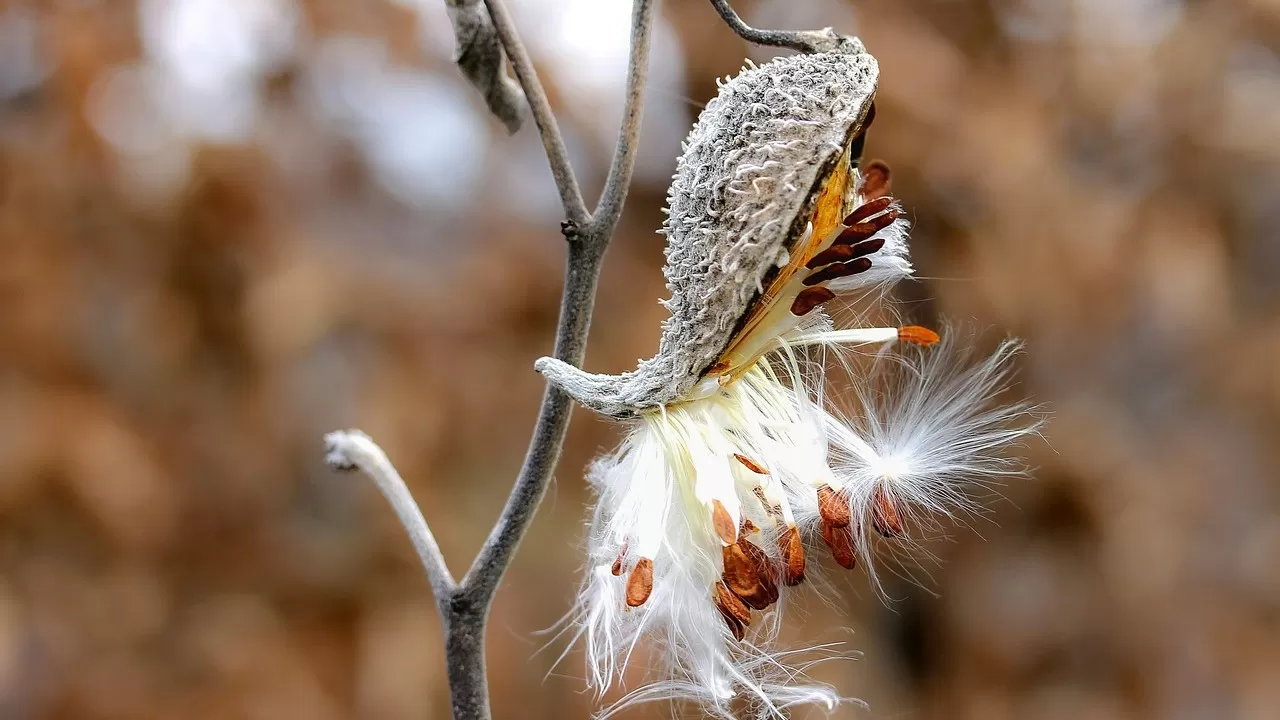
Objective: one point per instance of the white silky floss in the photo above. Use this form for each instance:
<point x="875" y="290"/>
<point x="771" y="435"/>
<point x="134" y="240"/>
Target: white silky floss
<point x="740" y="462"/>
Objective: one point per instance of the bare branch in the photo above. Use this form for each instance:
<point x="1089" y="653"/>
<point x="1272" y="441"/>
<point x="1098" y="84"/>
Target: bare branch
<point x="581" y="273"/>
<point x="479" y="56"/>
<point x="575" y="209"/>
<point x="351" y="450"/>
<point x="806" y="41"/>
<point x="464" y="607"/>
<point x="609" y="206"/>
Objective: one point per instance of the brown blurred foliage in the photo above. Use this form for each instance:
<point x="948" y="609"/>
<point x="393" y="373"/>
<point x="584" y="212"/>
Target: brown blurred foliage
<point x="1100" y="178"/>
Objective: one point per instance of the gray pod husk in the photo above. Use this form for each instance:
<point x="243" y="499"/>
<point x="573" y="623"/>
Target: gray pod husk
<point x="743" y="193"/>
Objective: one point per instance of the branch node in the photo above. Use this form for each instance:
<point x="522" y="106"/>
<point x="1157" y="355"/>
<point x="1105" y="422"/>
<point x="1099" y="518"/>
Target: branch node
<point x="571" y="230"/>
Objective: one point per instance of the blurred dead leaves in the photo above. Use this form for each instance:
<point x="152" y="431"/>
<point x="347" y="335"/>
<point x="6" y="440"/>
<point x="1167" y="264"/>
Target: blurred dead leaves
<point x="1099" y="178"/>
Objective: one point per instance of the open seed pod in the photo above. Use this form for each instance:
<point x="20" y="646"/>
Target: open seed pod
<point x="776" y="142"/>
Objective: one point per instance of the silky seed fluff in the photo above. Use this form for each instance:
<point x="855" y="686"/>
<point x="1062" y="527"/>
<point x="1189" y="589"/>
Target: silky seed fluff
<point x="742" y="194"/>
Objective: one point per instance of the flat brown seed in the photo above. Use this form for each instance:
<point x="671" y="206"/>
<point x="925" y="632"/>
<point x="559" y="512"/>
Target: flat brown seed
<point x="864" y="230"/>
<point x="867" y="209"/>
<point x="741" y="577"/>
<point x="843" y="253"/>
<point x="792" y="550"/>
<point x="840" y="541"/>
<point x="617" y="564"/>
<point x="839" y="270"/>
<point x="750" y="464"/>
<point x="732" y="605"/>
<point x="640" y="583"/>
<point x="764" y="569"/>
<point x="810" y="298"/>
<point x="834" y="507"/>
<point x="723" y="522"/>
<point x="876" y="180"/>
<point x="885" y="517"/>
<point x="735" y="625"/>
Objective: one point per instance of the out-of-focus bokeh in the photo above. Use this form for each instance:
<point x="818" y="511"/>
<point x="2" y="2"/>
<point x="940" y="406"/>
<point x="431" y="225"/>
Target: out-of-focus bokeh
<point x="229" y="226"/>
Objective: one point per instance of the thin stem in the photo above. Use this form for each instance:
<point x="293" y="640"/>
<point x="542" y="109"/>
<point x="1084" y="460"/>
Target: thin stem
<point x="805" y="41"/>
<point x="575" y="209"/>
<point x="609" y="206"/>
<point x="464" y="607"/>
<point x="351" y="450"/>
<point x="582" y="269"/>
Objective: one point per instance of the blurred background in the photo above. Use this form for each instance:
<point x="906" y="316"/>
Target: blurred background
<point x="229" y="226"/>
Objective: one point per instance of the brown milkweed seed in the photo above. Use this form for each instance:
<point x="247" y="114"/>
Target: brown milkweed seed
<point x="808" y="299"/>
<point x="842" y="253"/>
<point x="741" y="577"/>
<point x="750" y="464"/>
<point x="860" y="231"/>
<point x="792" y="551"/>
<point x="867" y="209"/>
<point x="885" y="517"/>
<point x="840" y="541"/>
<point x="617" y="564"/>
<point x="838" y="270"/>
<point x="834" y="507"/>
<point x="723" y="522"/>
<point x="640" y="583"/>
<point x="736" y="615"/>
<point x="876" y="179"/>
<point x="764" y="570"/>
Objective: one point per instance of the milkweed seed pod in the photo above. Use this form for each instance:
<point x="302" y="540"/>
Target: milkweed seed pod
<point x="743" y="194"/>
<point x="738" y="461"/>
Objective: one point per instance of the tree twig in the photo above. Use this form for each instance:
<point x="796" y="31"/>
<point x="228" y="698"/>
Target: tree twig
<point x="614" y="193"/>
<point x="806" y="41"/>
<point x="351" y="450"/>
<point x="464" y="607"/>
<point x="581" y="272"/>
<point x="575" y="209"/>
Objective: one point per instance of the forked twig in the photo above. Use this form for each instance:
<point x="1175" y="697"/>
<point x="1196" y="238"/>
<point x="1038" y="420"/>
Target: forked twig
<point x="464" y="606"/>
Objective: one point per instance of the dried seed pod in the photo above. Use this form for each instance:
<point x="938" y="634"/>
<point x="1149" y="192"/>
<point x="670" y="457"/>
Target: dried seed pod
<point x="743" y="194"/>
